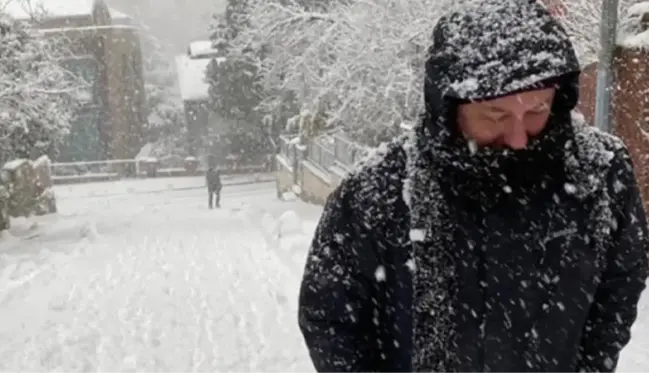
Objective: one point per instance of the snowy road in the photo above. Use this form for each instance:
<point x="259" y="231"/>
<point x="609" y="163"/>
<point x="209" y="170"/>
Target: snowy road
<point x="140" y="276"/>
<point x="143" y="281"/>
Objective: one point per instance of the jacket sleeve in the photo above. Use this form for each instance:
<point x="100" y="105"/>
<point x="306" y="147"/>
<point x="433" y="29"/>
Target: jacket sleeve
<point x="335" y="295"/>
<point x="614" y="308"/>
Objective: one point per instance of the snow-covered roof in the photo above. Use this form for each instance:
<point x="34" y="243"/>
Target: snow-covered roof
<point x="22" y="9"/>
<point x="191" y="77"/>
<point x="201" y="49"/>
<point x="119" y="18"/>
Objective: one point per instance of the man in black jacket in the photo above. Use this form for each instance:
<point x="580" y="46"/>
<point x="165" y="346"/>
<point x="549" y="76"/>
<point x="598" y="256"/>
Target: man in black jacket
<point x="502" y="234"/>
<point x="213" y="180"/>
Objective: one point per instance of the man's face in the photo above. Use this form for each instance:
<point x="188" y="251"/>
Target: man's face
<point x="506" y="122"/>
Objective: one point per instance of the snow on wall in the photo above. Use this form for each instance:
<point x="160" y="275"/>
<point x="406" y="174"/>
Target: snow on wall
<point x="119" y="18"/>
<point x="22" y="9"/>
<point x="14" y="164"/>
<point x="191" y="77"/>
<point x="202" y="48"/>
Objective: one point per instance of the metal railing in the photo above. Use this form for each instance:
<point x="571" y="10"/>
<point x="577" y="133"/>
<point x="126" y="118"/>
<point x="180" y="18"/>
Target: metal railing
<point x="121" y="167"/>
<point x="347" y="152"/>
<point x="321" y="152"/>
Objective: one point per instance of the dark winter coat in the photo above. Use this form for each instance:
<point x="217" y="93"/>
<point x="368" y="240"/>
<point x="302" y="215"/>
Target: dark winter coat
<point x="431" y="258"/>
<point x="213" y="178"/>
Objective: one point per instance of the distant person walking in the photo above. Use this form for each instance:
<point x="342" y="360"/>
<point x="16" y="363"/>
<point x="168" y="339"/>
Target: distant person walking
<point x="214" y="185"/>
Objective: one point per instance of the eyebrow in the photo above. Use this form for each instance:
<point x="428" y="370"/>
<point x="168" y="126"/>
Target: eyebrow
<point x="497" y="110"/>
<point x="545" y="103"/>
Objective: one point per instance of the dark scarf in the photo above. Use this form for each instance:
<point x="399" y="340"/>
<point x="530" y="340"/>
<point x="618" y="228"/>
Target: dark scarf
<point x="443" y="172"/>
<point x="573" y="158"/>
<point x="488" y="175"/>
<point x="491" y="48"/>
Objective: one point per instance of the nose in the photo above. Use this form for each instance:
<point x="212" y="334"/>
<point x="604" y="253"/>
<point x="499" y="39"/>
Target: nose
<point x="516" y="135"/>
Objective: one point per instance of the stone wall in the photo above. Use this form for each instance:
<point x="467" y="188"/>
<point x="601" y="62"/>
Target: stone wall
<point x="316" y="184"/>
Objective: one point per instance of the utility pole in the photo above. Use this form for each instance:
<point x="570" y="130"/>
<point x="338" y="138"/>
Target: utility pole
<point x="605" y="79"/>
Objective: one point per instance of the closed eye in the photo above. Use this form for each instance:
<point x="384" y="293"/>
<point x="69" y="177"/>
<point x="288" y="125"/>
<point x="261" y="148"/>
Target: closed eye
<point x="540" y="109"/>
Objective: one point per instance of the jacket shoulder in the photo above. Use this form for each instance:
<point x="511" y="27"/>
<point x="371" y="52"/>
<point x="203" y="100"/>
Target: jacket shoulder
<point x="374" y="188"/>
<point x="601" y="157"/>
<point x="378" y="177"/>
<point x="589" y="136"/>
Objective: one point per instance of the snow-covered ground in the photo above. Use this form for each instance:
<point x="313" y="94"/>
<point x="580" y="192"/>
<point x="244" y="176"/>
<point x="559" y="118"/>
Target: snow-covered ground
<point x="141" y="276"/>
<point x="138" y="281"/>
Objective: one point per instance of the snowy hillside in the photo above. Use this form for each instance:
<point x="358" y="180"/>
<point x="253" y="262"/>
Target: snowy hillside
<point x="126" y="280"/>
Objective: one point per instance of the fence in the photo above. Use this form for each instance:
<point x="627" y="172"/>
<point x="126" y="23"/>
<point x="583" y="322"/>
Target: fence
<point x="321" y="152"/>
<point x="116" y="167"/>
<point x="328" y="150"/>
<point x="333" y="155"/>
<point x="288" y="148"/>
<point x="347" y="152"/>
<point x="107" y="170"/>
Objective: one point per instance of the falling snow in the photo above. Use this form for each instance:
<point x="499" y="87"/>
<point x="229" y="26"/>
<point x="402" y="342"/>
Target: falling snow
<point x="428" y="229"/>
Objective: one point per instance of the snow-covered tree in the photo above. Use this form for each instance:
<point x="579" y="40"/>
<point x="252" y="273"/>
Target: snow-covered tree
<point x="359" y="63"/>
<point x="234" y="86"/>
<point x="38" y="97"/>
<point x="356" y="64"/>
<point x="165" y="111"/>
<point x="235" y="90"/>
<point x="234" y="79"/>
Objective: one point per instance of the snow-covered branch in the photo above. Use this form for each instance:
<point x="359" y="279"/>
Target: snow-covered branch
<point x="38" y="95"/>
<point x="357" y="64"/>
<point x="360" y="63"/>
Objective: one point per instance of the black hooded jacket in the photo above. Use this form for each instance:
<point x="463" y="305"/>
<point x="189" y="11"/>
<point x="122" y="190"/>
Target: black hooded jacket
<point x="432" y="258"/>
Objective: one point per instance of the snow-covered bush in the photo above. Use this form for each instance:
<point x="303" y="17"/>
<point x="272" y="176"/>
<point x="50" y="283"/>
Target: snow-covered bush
<point x="37" y="95"/>
<point x="289" y="223"/>
<point x="291" y="237"/>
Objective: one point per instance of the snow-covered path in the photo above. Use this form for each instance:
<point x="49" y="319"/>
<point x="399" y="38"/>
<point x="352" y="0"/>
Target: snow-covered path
<point x="150" y="281"/>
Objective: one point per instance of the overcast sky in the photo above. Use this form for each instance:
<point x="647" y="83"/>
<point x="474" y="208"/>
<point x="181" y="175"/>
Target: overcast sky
<point x="174" y="22"/>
